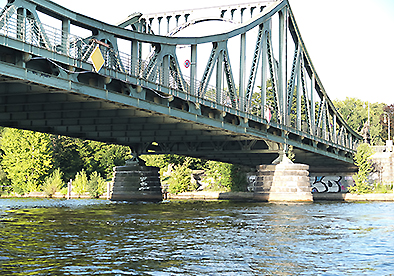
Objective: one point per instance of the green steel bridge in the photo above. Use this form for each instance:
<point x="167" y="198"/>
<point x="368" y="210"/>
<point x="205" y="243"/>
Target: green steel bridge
<point x="242" y="95"/>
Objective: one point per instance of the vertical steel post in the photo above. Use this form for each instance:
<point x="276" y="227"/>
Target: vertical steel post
<point x="298" y="99"/>
<point x="334" y="130"/>
<point x="166" y="70"/>
<point x="134" y="57"/>
<point x="219" y="77"/>
<point x="21" y="24"/>
<point x="168" y="23"/>
<point x="282" y="78"/>
<point x="193" y="70"/>
<point x="264" y="64"/>
<point x="65" y="35"/>
<point x="242" y="70"/>
<point x="159" y="20"/>
<point x="313" y="127"/>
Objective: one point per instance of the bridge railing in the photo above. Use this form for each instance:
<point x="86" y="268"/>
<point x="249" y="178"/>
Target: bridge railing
<point x="29" y="31"/>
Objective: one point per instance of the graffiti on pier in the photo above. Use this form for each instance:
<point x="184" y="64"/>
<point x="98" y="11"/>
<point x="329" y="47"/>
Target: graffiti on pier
<point x="251" y="182"/>
<point x="323" y="185"/>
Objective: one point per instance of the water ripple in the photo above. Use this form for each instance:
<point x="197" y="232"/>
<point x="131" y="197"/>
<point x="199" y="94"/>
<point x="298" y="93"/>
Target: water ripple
<point x="86" y="237"/>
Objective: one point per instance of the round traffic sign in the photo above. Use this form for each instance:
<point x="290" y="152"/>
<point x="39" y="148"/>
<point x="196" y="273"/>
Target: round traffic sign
<point x="187" y="63"/>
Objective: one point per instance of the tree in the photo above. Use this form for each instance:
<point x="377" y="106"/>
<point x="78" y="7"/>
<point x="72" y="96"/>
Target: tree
<point x="101" y="157"/>
<point x="225" y="176"/>
<point x="163" y="160"/>
<point x="355" y="113"/>
<point x="53" y="183"/>
<point x="72" y="155"/>
<point x="361" y="160"/>
<point x="180" y="179"/>
<point x="27" y="158"/>
<point x="66" y="156"/>
<point x="80" y="184"/>
<point x="96" y="185"/>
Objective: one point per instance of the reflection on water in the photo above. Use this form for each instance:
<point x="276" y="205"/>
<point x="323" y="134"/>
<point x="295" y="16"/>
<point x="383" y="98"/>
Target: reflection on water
<point x="87" y="237"/>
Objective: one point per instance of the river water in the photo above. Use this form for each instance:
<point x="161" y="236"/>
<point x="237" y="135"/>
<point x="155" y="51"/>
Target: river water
<point x="97" y="237"/>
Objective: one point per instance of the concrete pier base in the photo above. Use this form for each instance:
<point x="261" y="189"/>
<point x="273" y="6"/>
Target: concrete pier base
<point x="283" y="182"/>
<point x="136" y="182"/>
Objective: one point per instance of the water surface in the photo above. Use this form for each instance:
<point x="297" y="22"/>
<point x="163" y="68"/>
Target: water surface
<point x="97" y="237"/>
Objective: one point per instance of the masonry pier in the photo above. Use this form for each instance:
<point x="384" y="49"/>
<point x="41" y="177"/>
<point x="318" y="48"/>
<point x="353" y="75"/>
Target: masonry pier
<point x="136" y="182"/>
<point x="283" y="181"/>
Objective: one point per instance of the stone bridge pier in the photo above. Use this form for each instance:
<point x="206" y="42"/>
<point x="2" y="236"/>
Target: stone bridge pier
<point x="285" y="181"/>
<point x="136" y="182"/>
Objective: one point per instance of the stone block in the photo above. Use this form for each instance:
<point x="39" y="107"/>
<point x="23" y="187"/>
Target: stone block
<point x="134" y="182"/>
<point x="283" y="182"/>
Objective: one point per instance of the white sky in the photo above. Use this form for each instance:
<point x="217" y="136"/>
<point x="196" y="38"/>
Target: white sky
<point x="350" y="42"/>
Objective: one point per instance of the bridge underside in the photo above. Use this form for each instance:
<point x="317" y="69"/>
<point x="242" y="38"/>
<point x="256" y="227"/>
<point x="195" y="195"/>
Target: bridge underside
<point x="144" y="119"/>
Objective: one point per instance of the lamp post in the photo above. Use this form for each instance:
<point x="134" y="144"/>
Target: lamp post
<point x="387" y="118"/>
<point x="389" y="143"/>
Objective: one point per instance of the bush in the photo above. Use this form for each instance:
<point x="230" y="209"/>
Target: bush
<point x="180" y="179"/>
<point x="96" y="185"/>
<point x="382" y="188"/>
<point x="5" y="184"/>
<point x="225" y="177"/>
<point x="79" y="185"/>
<point x="361" y="160"/>
<point x="53" y="183"/>
<point x="219" y="174"/>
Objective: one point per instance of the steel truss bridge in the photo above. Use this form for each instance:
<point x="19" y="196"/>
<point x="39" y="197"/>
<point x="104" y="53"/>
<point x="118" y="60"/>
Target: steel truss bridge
<point x="248" y="91"/>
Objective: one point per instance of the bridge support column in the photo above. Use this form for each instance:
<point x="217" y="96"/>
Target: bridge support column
<point x="136" y="182"/>
<point x="283" y="181"/>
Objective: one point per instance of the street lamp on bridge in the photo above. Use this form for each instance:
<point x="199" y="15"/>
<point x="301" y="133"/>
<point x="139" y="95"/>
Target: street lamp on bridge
<point x="386" y="119"/>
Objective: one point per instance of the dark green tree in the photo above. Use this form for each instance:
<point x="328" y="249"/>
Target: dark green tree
<point x="355" y="113"/>
<point x="163" y="160"/>
<point x="66" y="156"/>
<point x="72" y="155"/>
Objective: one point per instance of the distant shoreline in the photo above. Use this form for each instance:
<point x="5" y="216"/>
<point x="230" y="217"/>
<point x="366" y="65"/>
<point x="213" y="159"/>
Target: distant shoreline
<point x="239" y="196"/>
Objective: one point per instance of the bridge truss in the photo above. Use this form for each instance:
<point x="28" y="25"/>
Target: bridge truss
<point x="247" y="92"/>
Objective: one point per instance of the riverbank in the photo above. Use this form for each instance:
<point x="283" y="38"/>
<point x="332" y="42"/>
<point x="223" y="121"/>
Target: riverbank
<point x="56" y="195"/>
<point x="206" y="195"/>
<point x="238" y="196"/>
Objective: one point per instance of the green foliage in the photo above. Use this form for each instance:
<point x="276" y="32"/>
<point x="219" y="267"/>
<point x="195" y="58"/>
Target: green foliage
<point x="355" y="113"/>
<point x="180" y="179"/>
<point x="66" y="156"/>
<point x="53" y="183"/>
<point x="382" y="188"/>
<point x="361" y="160"/>
<point x="101" y="157"/>
<point x="219" y="174"/>
<point x="26" y="159"/>
<point x="72" y="155"/>
<point x="4" y="181"/>
<point x="80" y="184"/>
<point x="225" y="177"/>
<point x="163" y="160"/>
<point x="238" y="179"/>
<point x="96" y="185"/>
